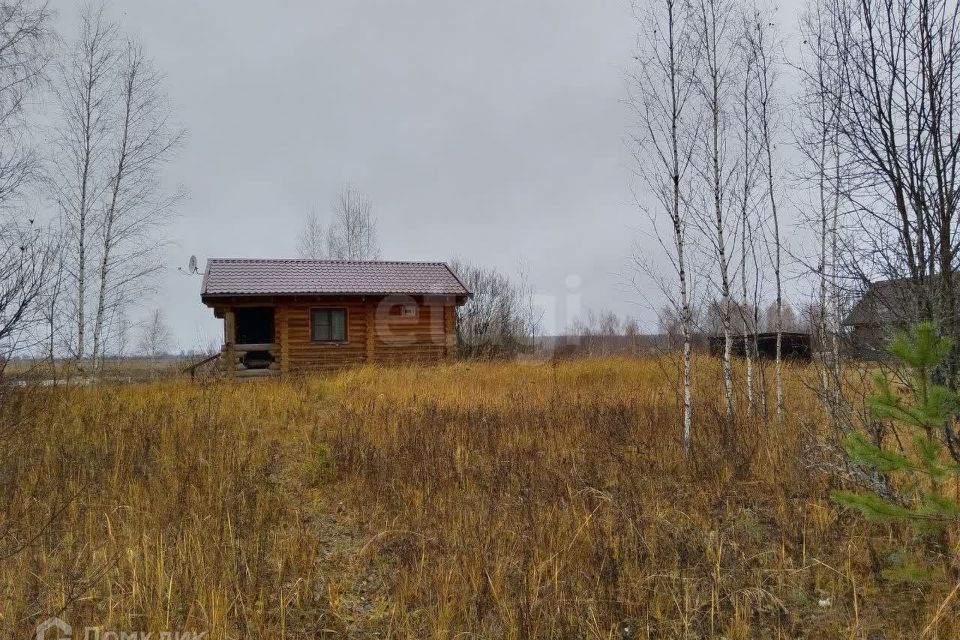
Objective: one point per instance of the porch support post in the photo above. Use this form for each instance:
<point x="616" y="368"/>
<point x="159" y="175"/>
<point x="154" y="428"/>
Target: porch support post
<point x="371" y="329"/>
<point x="229" y="340"/>
<point x="281" y="317"/>
<point x="450" y="330"/>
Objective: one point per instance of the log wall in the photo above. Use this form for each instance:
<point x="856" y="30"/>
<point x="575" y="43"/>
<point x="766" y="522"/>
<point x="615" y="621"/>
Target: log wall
<point x="378" y="332"/>
<point x="399" y="339"/>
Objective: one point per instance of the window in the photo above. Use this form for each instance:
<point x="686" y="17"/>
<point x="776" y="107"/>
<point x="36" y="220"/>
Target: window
<point x="328" y="325"/>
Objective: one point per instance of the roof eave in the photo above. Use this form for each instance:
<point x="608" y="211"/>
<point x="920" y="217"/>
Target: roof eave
<point x="208" y="298"/>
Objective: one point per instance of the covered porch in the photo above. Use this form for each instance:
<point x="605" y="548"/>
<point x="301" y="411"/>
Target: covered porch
<point x="251" y="341"/>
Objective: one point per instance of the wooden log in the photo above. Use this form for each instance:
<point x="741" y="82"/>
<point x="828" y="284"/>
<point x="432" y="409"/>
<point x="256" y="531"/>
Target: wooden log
<point x="267" y="346"/>
<point x="257" y="373"/>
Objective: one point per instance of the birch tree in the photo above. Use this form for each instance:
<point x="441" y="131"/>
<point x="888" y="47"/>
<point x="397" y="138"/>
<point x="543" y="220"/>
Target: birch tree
<point x="749" y="163"/>
<point x="749" y="290"/>
<point x="26" y="260"/>
<point x="660" y="96"/>
<point x="135" y="207"/>
<point x="501" y="318"/>
<point x="312" y="240"/>
<point x="25" y="39"/>
<point x="761" y="39"/>
<point x="715" y="31"/>
<point x="155" y="335"/>
<point x="51" y="299"/>
<point x="352" y="234"/>
<point x="898" y="97"/>
<point x="84" y="95"/>
<point x="819" y="144"/>
<point x="27" y="250"/>
<point x="886" y="71"/>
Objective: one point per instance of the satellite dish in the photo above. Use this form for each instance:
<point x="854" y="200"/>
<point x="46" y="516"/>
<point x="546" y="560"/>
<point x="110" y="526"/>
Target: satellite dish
<point x="191" y="269"/>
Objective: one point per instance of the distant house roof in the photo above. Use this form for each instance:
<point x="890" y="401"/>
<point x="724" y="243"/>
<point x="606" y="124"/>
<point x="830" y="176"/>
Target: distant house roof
<point x="887" y="303"/>
<point x="244" y="277"/>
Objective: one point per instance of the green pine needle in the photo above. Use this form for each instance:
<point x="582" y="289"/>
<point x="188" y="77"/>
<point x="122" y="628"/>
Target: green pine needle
<point x="882" y="460"/>
<point x="872" y="506"/>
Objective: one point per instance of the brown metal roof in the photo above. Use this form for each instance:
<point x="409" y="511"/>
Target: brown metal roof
<point x="888" y="303"/>
<point x="245" y="277"/>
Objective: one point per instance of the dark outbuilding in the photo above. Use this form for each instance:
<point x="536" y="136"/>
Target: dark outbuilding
<point x="793" y="345"/>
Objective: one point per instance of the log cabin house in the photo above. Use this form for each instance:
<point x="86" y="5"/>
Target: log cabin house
<point x="285" y="316"/>
<point x="885" y="308"/>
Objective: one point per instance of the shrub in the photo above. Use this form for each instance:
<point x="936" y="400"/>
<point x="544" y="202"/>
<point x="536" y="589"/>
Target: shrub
<point x="921" y="472"/>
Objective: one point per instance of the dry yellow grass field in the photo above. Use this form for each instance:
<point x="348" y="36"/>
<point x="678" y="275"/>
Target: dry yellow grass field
<point x="469" y="500"/>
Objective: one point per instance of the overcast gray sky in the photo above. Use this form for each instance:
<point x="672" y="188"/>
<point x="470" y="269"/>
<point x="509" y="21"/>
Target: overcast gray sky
<point x="491" y="130"/>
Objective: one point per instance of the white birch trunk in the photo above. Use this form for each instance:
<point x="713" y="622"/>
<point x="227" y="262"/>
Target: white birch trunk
<point x="679" y="239"/>
<point x="765" y="86"/>
<point x="747" y="346"/>
<point x="745" y="228"/>
<point x="111" y="214"/>
<point x="663" y="85"/>
<point x="712" y="52"/>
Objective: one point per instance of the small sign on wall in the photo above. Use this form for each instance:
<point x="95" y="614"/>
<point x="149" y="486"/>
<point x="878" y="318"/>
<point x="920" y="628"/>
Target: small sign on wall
<point x="408" y="311"/>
